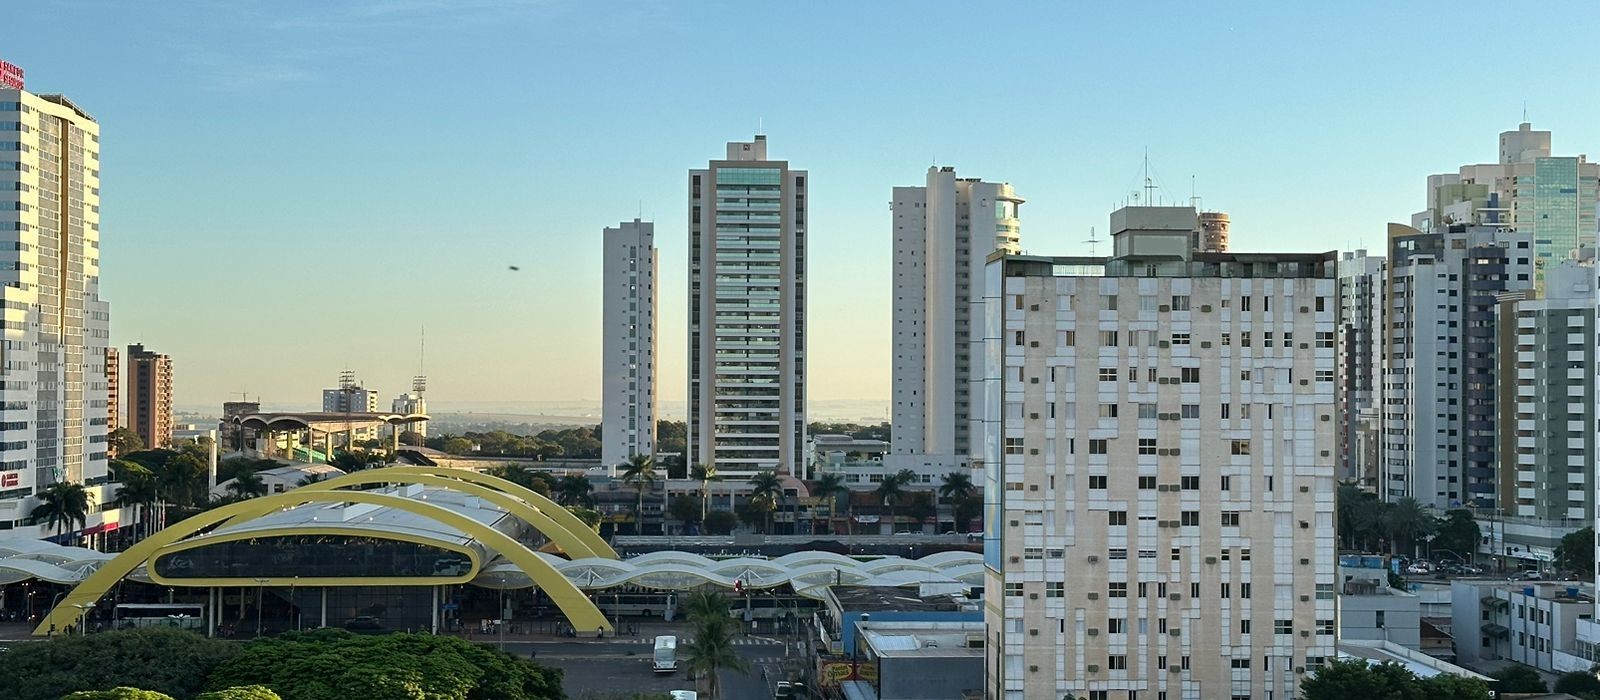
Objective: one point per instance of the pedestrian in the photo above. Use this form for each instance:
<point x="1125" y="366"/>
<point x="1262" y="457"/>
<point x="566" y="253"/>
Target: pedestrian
<point x="599" y="633"/>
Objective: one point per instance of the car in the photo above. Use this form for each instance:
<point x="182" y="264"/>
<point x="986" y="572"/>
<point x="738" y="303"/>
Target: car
<point x="683" y="695"/>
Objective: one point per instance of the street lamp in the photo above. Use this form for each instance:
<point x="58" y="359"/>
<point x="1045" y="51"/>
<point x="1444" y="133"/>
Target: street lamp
<point x="260" y="585"/>
<point x="83" y="616"/>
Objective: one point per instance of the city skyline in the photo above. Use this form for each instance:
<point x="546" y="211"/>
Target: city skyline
<point x="421" y="203"/>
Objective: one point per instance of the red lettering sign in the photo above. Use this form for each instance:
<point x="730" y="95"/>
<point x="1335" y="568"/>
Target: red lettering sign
<point x="10" y="76"/>
<point x="9" y="479"/>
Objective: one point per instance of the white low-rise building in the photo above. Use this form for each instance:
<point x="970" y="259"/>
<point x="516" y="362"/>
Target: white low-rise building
<point x="1532" y="623"/>
<point x="1370" y="609"/>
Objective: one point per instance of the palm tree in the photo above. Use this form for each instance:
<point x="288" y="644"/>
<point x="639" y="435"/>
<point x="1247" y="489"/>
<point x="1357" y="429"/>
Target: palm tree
<point x="640" y="472"/>
<point x="138" y="491"/>
<point x="956" y="488"/>
<point x="705" y="474"/>
<point x="574" y="490"/>
<point x="712" y="649"/>
<point x="1346" y="502"/>
<point x="1367" y="517"/>
<point x="889" y="492"/>
<point x="1405" y="521"/>
<point x="248" y="486"/>
<point x="766" y="487"/>
<point x="61" y="505"/>
<point x="831" y="485"/>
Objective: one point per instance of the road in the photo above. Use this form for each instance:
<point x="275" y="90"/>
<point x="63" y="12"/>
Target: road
<point x="625" y="666"/>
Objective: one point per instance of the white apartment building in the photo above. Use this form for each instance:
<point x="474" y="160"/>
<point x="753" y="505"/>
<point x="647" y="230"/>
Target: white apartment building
<point x="1160" y="475"/>
<point x="943" y="232"/>
<point x="1551" y="198"/>
<point x="1360" y="333"/>
<point x="1439" y="347"/>
<point x="53" y="324"/>
<point x="628" y="346"/>
<point x="747" y="313"/>
<point x="411" y="403"/>
<point x="352" y="397"/>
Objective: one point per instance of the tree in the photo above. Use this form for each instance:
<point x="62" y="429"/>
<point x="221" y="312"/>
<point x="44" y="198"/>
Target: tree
<point x="831" y="486"/>
<point x="455" y="445"/>
<point x="753" y="511"/>
<point x="123" y="693"/>
<point x="244" y="692"/>
<point x="705" y="474"/>
<point x="1445" y="686"/>
<point x="1583" y="685"/>
<point x="61" y="505"/>
<point x="248" y="486"/>
<point x="957" y="488"/>
<point x="712" y="649"/>
<point x="921" y="509"/>
<point x="1343" y="679"/>
<point x="1368" y="515"/>
<point x="123" y="441"/>
<point x="1457" y="533"/>
<point x="640" y="472"/>
<point x="672" y="436"/>
<point x="137" y="490"/>
<point x="333" y="664"/>
<point x="890" y="493"/>
<point x="683" y="509"/>
<point x="353" y="461"/>
<point x="411" y="438"/>
<point x="718" y="522"/>
<point x="967" y="509"/>
<point x="1345" y="504"/>
<point x="589" y="516"/>
<point x="171" y="661"/>
<point x="766" y="488"/>
<point x="574" y="490"/>
<point x="1405" y="521"/>
<point x="1518" y="678"/>
<point x="1576" y="552"/>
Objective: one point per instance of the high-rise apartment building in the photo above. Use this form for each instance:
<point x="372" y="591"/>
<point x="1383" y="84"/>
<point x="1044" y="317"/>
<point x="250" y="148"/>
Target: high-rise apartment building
<point x="1160" y="475"/>
<point x="943" y="232"/>
<point x="1551" y="198"/>
<point x="150" y="396"/>
<point x="1211" y="232"/>
<point x="53" y="324"/>
<point x="1439" y="348"/>
<point x="628" y="352"/>
<point x="747" y="313"/>
<point x="352" y="397"/>
<point x="411" y="403"/>
<point x="1360" y="357"/>
<point x="1546" y="394"/>
<point x="113" y="390"/>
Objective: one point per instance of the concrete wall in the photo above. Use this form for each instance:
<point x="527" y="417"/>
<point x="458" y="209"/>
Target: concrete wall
<point x="932" y="678"/>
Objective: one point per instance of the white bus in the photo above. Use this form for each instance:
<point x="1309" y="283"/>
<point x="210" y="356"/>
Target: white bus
<point x="181" y="615"/>
<point x="666" y="660"/>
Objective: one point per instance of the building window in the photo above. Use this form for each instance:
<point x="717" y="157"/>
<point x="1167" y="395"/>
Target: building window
<point x="1013" y="589"/>
<point x="1287" y="626"/>
<point x="1147" y="483"/>
<point x="1241" y="663"/>
<point x="1097" y="447"/>
<point x="1117" y="662"/>
<point x="1055" y="589"/>
<point x="1190" y="518"/>
<point x="1108" y="339"/>
<point x="1108" y="374"/>
<point x="1244" y="625"/>
<point x="1117" y="625"/>
<point x="1241" y="447"/>
<point x="1097" y="482"/>
<point x="1147" y="446"/>
<point x="1230" y="518"/>
<point x="1117" y="589"/>
<point x="1191" y="375"/>
<point x="1013" y="446"/>
<point x="1227" y="483"/>
<point x="1244" y="588"/>
<point x="1190" y="483"/>
<point x="1191" y="410"/>
<point x="1147" y="410"/>
<point x="1180" y="338"/>
<point x="1108" y="410"/>
<point x="1117" y="517"/>
<point x="1325" y="627"/>
<point x="1180" y="302"/>
<point x="1108" y="302"/>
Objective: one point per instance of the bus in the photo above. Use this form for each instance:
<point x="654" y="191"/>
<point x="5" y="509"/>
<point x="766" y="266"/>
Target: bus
<point x="180" y="615"/>
<point x="666" y="654"/>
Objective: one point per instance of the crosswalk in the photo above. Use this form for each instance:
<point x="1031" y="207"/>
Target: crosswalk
<point x="737" y="641"/>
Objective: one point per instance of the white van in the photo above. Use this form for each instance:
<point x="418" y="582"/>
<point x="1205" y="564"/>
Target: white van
<point x="666" y="660"/>
<point x="683" y="695"/>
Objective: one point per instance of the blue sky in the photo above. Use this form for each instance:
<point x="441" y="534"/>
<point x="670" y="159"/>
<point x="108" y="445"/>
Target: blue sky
<point x="293" y="187"/>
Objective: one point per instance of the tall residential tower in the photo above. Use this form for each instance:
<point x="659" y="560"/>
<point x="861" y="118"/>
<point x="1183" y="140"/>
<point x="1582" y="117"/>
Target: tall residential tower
<point x="150" y="396"/>
<point x="1160" y="477"/>
<point x="55" y="326"/>
<point x="747" y="313"/>
<point x="943" y="232"/>
<point x="628" y="353"/>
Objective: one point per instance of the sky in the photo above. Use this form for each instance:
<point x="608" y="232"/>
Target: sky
<point x="291" y="188"/>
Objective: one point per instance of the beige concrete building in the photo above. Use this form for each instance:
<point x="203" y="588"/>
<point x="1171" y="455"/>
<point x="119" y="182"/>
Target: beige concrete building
<point x="150" y="396"/>
<point x="113" y="389"/>
<point x="1159" y="470"/>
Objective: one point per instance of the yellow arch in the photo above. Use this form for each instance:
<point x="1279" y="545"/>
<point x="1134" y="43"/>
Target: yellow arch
<point x="556" y="511"/>
<point x="579" y="610"/>
<point x="572" y="543"/>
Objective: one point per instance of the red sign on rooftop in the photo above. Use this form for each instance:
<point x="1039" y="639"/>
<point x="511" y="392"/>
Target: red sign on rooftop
<point x="10" y="76"/>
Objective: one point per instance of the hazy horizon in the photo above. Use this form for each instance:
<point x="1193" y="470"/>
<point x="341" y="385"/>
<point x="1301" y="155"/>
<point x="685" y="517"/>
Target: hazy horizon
<point x="294" y="188"/>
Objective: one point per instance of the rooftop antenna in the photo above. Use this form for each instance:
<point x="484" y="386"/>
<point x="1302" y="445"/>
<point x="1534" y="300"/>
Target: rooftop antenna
<point x="1524" y="110"/>
<point x="1092" y="241"/>
<point x="1149" y="185"/>
<point x="761" y="126"/>
<point x="1194" y="199"/>
<point x="419" y="383"/>
<point x="347" y="378"/>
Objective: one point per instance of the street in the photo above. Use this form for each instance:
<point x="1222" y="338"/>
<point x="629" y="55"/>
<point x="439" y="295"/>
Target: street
<point x="625" y="666"/>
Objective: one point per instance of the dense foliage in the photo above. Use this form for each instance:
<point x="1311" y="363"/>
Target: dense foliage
<point x="1576" y="552"/>
<point x="173" y="662"/>
<point x="248" y="692"/>
<point x="712" y="650"/>
<point x="1583" y="685"/>
<point x="1369" y="524"/>
<point x="1344" y="679"/>
<point x="570" y="443"/>
<point x="338" y="665"/>
<point x="859" y="432"/>
<point x="117" y="694"/>
<point x="1518" y="678"/>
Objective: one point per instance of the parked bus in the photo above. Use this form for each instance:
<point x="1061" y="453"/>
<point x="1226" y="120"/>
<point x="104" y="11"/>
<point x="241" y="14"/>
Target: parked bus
<point x="181" y="615"/>
<point x="666" y="654"/>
